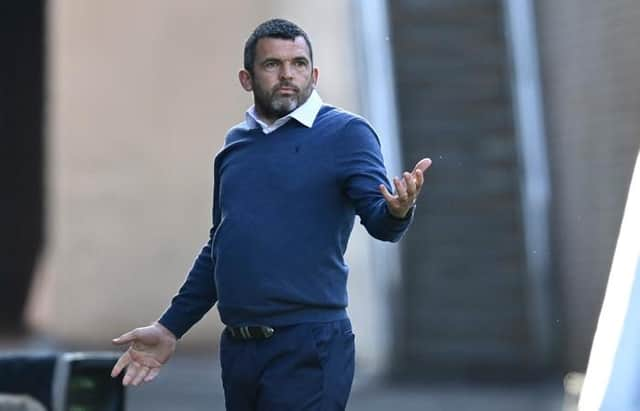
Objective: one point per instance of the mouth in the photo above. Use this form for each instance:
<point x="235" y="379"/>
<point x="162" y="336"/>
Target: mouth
<point x="287" y="90"/>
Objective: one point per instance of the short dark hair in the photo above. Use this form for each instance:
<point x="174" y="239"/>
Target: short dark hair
<point x="274" y="28"/>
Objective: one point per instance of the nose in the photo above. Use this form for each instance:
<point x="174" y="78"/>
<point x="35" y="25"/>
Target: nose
<point x="286" y="72"/>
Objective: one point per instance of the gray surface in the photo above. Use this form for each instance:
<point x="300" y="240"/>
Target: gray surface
<point x="192" y="382"/>
<point x="590" y="62"/>
<point x="465" y="281"/>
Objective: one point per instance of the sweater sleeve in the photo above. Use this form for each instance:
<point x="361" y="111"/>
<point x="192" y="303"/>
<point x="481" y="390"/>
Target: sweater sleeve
<point x="196" y="296"/>
<point x="361" y="171"/>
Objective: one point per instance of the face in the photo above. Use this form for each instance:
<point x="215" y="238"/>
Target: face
<point x="283" y="77"/>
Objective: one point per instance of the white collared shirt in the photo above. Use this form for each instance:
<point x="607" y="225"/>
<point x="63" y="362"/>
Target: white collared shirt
<point x="306" y="114"/>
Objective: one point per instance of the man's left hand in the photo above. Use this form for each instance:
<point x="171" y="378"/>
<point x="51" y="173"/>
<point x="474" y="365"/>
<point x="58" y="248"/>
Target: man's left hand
<point x="407" y="189"/>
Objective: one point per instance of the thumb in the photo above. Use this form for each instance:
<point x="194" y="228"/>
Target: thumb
<point x="125" y="338"/>
<point x="422" y="165"/>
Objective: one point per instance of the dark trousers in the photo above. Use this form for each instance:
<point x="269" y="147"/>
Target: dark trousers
<point x="301" y="367"/>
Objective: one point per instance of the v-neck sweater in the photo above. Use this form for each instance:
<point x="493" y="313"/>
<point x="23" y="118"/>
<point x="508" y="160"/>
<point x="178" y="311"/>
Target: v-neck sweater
<point x="284" y="205"/>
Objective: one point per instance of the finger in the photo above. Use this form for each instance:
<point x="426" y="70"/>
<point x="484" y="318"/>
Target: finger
<point x="390" y="198"/>
<point x="419" y="179"/>
<point x="132" y="372"/>
<point x="122" y="362"/>
<point x="422" y="165"/>
<point x="142" y="374"/>
<point x="410" y="182"/>
<point x="126" y="337"/>
<point x="401" y="190"/>
<point x="153" y="373"/>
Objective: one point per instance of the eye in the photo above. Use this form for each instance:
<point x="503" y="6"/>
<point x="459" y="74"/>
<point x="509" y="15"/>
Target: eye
<point x="270" y="65"/>
<point x="300" y="63"/>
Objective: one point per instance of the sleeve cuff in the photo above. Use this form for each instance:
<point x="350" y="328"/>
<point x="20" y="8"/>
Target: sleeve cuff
<point x="168" y="321"/>
<point x="407" y="217"/>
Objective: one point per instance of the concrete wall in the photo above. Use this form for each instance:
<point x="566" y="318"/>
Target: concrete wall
<point x="141" y="94"/>
<point x="590" y="63"/>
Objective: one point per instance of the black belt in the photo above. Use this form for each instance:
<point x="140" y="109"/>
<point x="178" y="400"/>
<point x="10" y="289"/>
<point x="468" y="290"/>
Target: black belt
<point x="250" y="332"/>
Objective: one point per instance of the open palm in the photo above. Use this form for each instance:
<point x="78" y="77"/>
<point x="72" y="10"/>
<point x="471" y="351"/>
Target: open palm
<point x="407" y="189"/>
<point x="149" y="349"/>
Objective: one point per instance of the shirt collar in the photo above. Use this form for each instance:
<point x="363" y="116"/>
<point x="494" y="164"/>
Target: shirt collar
<point x="305" y="114"/>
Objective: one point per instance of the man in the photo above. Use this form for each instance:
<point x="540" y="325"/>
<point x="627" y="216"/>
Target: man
<point x="287" y="185"/>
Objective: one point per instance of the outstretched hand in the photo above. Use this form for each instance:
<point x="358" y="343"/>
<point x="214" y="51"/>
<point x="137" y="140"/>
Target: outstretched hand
<point x="407" y="189"/>
<point x="149" y="348"/>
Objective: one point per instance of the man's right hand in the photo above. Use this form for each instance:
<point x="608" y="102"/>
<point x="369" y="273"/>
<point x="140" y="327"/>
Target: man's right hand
<point x="149" y="348"/>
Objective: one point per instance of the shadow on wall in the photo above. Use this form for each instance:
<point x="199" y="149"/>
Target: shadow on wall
<point x="21" y="163"/>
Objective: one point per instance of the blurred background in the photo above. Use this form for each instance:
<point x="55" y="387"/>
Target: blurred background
<point x="111" y="113"/>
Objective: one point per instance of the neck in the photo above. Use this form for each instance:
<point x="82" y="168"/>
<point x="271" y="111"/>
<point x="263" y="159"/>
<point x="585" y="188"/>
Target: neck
<point x="264" y="117"/>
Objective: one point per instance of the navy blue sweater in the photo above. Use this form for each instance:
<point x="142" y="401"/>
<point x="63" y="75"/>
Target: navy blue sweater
<point x="283" y="210"/>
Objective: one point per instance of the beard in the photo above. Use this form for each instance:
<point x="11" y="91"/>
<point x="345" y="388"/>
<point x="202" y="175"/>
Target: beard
<point x="274" y="105"/>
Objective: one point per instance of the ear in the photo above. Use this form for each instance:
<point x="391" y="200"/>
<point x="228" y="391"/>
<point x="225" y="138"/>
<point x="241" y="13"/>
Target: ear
<point x="315" y="73"/>
<point x="245" y="80"/>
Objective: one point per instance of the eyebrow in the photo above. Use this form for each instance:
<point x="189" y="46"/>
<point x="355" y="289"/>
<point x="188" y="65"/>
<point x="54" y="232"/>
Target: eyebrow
<point x="276" y="59"/>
